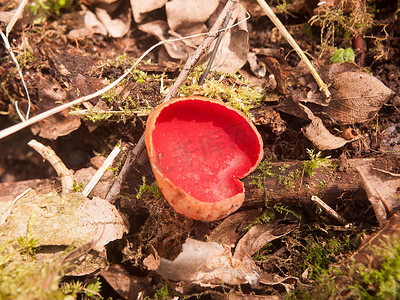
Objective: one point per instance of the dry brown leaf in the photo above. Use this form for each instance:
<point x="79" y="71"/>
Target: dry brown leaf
<point x="64" y="220"/>
<point x="209" y="264"/>
<point x="160" y="29"/>
<point x="140" y="8"/>
<point x="274" y="279"/>
<point x="231" y="229"/>
<point x="182" y="14"/>
<point x="50" y="93"/>
<point x="259" y="235"/>
<point x="356" y="97"/>
<point x="87" y="25"/>
<point x="232" y="52"/>
<point x="317" y="133"/>
<point x="125" y="284"/>
<point x="382" y="191"/>
<point x="116" y="26"/>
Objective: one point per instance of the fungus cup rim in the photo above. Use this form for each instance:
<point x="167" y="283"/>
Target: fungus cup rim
<point x="178" y="198"/>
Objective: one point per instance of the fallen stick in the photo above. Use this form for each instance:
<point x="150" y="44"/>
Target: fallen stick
<point x="328" y="209"/>
<point x="66" y="175"/>
<point x="173" y="91"/>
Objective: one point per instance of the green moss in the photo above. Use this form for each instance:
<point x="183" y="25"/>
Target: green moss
<point x="144" y="188"/>
<point x="315" y="162"/>
<point x="22" y="277"/>
<point x="347" y="19"/>
<point x="240" y="94"/>
<point x="381" y="283"/>
<point x="77" y="187"/>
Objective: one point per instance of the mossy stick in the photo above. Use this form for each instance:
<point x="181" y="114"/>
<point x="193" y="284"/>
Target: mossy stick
<point x="271" y="15"/>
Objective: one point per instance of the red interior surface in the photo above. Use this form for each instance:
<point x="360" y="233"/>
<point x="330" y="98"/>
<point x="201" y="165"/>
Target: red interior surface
<point x="202" y="147"/>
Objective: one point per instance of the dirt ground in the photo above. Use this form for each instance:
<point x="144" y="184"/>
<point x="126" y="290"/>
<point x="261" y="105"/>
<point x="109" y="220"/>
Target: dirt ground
<point x="58" y="69"/>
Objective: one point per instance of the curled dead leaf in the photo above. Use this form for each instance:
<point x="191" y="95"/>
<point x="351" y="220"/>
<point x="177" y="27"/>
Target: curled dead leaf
<point x="209" y="264"/>
<point x="317" y="133"/>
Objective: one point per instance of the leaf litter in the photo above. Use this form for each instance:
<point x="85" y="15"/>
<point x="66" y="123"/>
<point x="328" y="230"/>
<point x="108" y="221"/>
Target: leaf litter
<point x="318" y="117"/>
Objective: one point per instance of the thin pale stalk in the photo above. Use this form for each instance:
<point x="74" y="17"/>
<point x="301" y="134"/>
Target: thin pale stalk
<point x="323" y="87"/>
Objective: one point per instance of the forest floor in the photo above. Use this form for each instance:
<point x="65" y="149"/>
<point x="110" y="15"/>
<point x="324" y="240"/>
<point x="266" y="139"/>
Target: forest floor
<point x="280" y="243"/>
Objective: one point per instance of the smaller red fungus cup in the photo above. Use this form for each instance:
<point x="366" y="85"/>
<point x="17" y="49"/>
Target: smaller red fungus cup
<point x="199" y="148"/>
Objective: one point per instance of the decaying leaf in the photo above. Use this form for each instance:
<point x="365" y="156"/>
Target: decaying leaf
<point x="125" y="284"/>
<point x="382" y="189"/>
<point x="259" y="235"/>
<point x="209" y="264"/>
<point x="232" y="53"/>
<point x="183" y="14"/>
<point x="356" y="98"/>
<point x="160" y="29"/>
<point x="140" y="8"/>
<point x="116" y="26"/>
<point x="390" y="140"/>
<point x="64" y="220"/>
<point x="50" y="93"/>
<point x="317" y="133"/>
<point x="87" y="25"/>
<point x="186" y="18"/>
<point x="231" y="229"/>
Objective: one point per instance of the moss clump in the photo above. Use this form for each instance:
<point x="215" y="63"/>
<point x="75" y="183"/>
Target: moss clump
<point x="233" y="89"/>
<point x="347" y="19"/>
<point x="23" y="277"/>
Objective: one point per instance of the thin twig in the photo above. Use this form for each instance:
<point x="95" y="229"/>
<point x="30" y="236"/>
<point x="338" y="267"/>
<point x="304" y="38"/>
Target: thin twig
<point x="329" y="210"/>
<point x="323" y="87"/>
<point x="95" y="179"/>
<point x="4" y="216"/>
<point x="173" y="91"/>
<point x="214" y="52"/>
<point x="66" y="175"/>
<point x="8" y="47"/>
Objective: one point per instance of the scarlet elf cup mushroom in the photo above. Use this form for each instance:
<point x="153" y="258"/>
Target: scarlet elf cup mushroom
<point x="198" y="149"/>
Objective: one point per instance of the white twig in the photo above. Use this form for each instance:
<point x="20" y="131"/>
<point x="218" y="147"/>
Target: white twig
<point x="16" y="16"/>
<point x="8" y="212"/>
<point x="323" y="87"/>
<point x="329" y="210"/>
<point x="66" y="175"/>
<point x="8" y="47"/>
<point x="95" y="179"/>
<point x="17" y="127"/>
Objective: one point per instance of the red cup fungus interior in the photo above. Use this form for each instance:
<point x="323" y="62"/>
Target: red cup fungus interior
<point x="203" y="146"/>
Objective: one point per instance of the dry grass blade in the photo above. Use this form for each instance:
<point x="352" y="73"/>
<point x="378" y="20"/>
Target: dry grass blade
<point x="16" y="16"/>
<point x="95" y="179"/>
<point x="8" y="47"/>
<point x="292" y="42"/>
